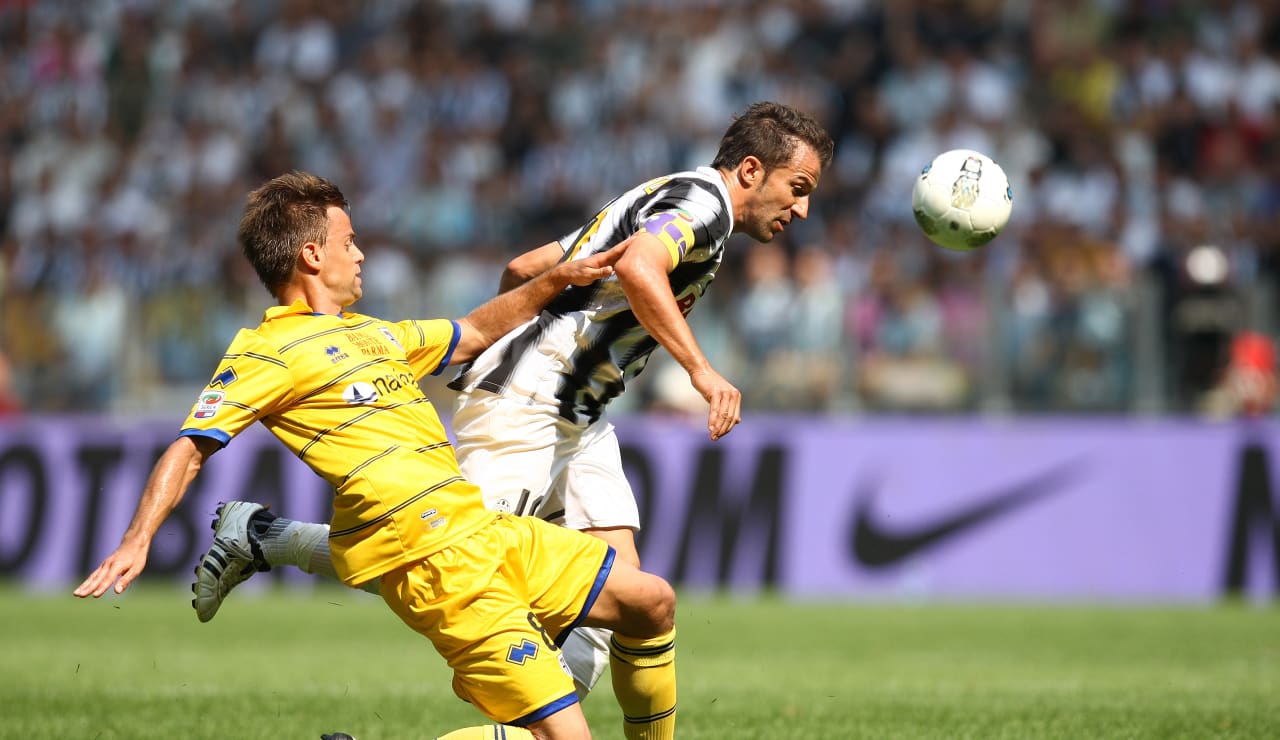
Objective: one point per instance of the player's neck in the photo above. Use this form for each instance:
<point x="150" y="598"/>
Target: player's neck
<point x="737" y="195"/>
<point x="317" y="300"/>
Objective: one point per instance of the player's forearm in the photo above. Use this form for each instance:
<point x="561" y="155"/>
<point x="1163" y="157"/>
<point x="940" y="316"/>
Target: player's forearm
<point x="513" y="307"/>
<point x="485" y="325"/>
<point x="655" y="308"/>
<point x="169" y="480"/>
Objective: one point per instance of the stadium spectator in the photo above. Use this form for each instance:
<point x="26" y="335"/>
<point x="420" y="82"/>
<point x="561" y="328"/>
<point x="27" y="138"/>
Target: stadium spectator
<point x="1172" y="105"/>
<point x="1248" y="385"/>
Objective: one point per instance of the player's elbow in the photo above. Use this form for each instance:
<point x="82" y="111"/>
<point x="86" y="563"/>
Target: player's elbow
<point x="527" y="266"/>
<point x="516" y="273"/>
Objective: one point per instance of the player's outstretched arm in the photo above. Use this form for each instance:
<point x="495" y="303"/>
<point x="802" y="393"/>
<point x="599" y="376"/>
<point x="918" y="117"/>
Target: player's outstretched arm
<point x="485" y="325"/>
<point x="642" y="272"/>
<point x="169" y="480"/>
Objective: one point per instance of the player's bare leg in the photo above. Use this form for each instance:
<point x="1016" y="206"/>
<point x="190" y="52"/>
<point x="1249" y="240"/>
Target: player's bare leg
<point x="623" y="542"/>
<point x="567" y="724"/>
<point x="640" y="609"/>
<point x="488" y="732"/>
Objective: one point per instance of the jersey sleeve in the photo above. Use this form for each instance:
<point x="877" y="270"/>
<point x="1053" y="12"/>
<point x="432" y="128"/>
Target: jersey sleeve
<point x="680" y="222"/>
<point x="675" y="229"/>
<point x="428" y="345"/>
<point x="252" y="381"/>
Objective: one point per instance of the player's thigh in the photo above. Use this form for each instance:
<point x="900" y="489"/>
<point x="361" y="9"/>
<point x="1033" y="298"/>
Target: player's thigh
<point x="595" y="490"/>
<point x="471" y="604"/>
<point x="622" y="540"/>
<point x="567" y="724"/>
<point x="506" y="449"/>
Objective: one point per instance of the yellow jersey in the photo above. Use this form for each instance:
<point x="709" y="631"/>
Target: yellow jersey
<point x="341" y="392"/>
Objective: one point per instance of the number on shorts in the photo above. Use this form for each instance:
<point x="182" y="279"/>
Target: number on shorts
<point x="546" y="639"/>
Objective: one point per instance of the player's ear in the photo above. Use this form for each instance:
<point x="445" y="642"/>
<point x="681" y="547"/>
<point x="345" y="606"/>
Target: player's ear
<point x="750" y="172"/>
<point x="309" y="257"/>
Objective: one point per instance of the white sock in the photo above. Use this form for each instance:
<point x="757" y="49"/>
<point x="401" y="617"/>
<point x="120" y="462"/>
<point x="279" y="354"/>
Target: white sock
<point x="301" y="544"/>
<point x="304" y="545"/>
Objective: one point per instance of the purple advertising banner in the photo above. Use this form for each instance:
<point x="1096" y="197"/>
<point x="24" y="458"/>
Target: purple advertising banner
<point x="961" y="509"/>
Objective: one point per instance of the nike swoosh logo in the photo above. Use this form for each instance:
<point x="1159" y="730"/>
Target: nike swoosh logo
<point x="876" y="547"/>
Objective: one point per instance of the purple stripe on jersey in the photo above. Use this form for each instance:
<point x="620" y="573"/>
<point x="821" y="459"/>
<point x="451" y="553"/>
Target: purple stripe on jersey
<point x="453" y="344"/>
<point x="663" y="224"/>
<point x="605" y="568"/>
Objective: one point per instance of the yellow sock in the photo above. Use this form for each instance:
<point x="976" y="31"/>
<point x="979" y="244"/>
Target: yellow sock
<point x="489" y="732"/>
<point x="644" y="682"/>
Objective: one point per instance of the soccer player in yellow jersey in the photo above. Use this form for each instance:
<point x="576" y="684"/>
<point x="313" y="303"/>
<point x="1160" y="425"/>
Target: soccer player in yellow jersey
<point x="494" y="593"/>
<point x="530" y="424"/>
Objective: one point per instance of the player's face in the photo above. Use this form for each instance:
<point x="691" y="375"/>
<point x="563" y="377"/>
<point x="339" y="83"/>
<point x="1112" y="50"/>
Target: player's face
<point x="340" y="269"/>
<point x="780" y="195"/>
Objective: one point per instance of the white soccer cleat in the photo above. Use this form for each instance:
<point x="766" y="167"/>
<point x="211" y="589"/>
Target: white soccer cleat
<point x="233" y="557"/>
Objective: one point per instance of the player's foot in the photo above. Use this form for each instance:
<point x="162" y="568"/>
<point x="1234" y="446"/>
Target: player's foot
<point x="233" y="557"/>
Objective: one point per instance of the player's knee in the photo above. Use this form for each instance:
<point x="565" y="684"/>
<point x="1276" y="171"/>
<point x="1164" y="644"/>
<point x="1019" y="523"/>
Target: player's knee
<point x="660" y="611"/>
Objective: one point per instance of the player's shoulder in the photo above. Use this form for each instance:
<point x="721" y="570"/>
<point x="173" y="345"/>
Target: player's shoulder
<point x="252" y="337"/>
<point x="702" y="176"/>
<point x="264" y="346"/>
<point x="702" y="187"/>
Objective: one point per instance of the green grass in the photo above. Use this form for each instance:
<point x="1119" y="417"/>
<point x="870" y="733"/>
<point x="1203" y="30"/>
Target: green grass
<point x="291" y="665"/>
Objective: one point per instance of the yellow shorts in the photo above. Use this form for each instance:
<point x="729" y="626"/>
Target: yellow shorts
<point x="498" y="604"/>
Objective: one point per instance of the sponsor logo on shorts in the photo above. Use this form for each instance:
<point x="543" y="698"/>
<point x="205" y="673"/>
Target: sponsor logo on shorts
<point x="526" y="650"/>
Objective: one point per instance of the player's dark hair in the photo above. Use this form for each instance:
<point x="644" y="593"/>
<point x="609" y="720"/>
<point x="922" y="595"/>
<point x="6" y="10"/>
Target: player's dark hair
<point x="770" y="132"/>
<point x="281" y="216"/>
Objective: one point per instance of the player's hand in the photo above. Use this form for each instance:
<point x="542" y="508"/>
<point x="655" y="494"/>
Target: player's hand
<point x="725" y="400"/>
<point x="120" y="568"/>
<point x="590" y="269"/>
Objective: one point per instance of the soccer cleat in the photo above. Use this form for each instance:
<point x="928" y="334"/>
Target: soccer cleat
<point x="233" y="557"/>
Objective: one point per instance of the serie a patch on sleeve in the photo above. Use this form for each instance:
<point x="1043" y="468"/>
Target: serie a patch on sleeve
<point x="674" y="229"/>
<point x="207" y="405"/>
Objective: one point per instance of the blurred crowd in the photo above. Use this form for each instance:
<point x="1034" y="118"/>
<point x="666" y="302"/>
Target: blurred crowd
<point x="1140" y="138"/>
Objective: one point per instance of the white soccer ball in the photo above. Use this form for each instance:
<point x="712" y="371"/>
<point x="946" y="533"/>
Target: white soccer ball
<point x="962" y="200"/>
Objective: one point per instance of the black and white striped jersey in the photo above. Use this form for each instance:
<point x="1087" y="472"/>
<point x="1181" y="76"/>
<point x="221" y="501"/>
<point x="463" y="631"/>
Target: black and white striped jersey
<point x="578" y="354"/>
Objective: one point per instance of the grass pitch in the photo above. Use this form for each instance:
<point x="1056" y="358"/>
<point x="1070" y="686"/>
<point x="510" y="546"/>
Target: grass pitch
<point x="293" y="665"/>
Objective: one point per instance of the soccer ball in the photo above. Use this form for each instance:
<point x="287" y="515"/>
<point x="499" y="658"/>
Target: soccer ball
<point x="962" y="200"/>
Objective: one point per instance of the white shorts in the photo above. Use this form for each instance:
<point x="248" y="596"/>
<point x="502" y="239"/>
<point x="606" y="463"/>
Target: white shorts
<point x="529" y="460"/>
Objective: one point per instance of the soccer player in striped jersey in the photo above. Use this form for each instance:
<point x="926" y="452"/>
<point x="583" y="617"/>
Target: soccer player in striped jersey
<point x="530" y="418"/>
<point x="496" y="594"/>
